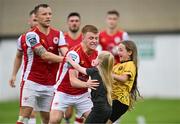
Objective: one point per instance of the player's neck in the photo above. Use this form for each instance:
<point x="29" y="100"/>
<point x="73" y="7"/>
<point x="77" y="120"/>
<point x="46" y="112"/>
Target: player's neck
<point x="85" y="49"/>
<point x="74" y="35"/>
<point x="111" y="31"/>
<point x="44" y="30"/>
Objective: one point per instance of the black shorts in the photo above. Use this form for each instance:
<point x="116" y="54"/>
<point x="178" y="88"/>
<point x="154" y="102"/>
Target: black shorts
<point x="118" y="109"/>
<point x="99" y="114"/>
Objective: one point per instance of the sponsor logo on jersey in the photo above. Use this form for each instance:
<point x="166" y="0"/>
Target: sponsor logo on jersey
<point x="32" y="39"/>
<point x="55" y="40"/>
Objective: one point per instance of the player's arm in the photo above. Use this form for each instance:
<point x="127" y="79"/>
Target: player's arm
<point x="47" y="56"/>
<point x="76" y="65"/>
<point x="75" y="82"/>
<point x="33" y="41"/>
<point x="121" y="78"/>
<point x="16" y="66"/>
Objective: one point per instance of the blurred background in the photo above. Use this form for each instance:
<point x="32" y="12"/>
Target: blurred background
<point x="153" y="24"/>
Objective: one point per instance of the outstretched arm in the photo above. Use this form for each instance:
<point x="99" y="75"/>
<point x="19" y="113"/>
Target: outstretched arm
<point x="48" y="56"/>
<point x="75" y="82"/>
<point x="76" y="65"/>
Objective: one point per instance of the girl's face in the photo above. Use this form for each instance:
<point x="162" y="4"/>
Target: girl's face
<point x="124" y="55"/>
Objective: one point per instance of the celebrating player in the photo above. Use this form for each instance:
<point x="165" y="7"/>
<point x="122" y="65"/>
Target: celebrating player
<point x="72" y="87"/>
<point x="124" y="90"/>
<point x="73" y="37"/>
<point x="101" y="97"/>
<point x="112" y="35"/>
<point x="41" y="48"/>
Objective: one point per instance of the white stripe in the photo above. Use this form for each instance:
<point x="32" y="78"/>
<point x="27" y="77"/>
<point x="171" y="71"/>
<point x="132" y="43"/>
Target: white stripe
<point x="30" y="56"/>
<point x="63" y="73"/>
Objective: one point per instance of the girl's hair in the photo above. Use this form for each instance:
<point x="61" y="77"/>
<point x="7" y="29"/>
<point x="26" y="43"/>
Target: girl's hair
<point x="131" y="46"/>
<point x="106" y="62"/>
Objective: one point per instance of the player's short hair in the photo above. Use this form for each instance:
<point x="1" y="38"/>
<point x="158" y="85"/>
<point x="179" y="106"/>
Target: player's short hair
<point x="73" y="14"/>
<point x="113" y="12"/>
<point x="36" y="8"/>
<point x="89" y="28"/>
<point x="31" y="12"/>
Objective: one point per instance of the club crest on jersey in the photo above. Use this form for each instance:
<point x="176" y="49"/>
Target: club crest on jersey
<point x="117" y="40"/>
<point x="55" y="40"/>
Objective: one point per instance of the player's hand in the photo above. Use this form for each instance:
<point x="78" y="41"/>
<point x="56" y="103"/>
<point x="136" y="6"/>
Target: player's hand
<point x="93" y="84"/>
<point x="69" y="59"/>
<point x="12" y="81"/>
<point x="115" y="50"/>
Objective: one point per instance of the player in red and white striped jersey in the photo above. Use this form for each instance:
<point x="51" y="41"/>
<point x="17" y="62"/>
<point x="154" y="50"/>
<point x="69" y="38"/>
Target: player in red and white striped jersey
<point x="72" y="87"/>
<point x="73" y="37"/>
<point x="41" y="61"/>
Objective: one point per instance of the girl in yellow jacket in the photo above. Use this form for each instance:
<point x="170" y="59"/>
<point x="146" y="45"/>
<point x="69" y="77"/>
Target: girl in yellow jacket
<point x="124" y="87"/>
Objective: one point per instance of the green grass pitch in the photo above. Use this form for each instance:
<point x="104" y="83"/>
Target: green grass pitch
<point x="154" y="111"/>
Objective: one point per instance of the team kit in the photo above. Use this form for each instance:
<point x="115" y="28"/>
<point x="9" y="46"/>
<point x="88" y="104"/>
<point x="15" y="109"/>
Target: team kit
<point x="83" y="71"/>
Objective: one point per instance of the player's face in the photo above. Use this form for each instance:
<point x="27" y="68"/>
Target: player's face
<point x="32" y="21"/>
<point x="112" y="21"/>
<point x="44" y="16"/>
<point x="91" y="40"/>
<point x="74" y="23"/>
<point x="124" y="55"/>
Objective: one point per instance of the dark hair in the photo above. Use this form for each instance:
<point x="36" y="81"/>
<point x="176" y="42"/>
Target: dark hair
<point x="131" y="46"/>
<point x="73" y="14"/>
<point x="89" y="28"/>
<point x="40" y="5"/>
<point x="113" y="12"/>
<point x="31" y="12"/>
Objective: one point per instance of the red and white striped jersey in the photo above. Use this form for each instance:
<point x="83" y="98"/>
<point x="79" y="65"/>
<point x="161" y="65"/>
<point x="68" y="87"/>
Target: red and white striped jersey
<point x="79" y="56"/>
<point x="35" y="69"/>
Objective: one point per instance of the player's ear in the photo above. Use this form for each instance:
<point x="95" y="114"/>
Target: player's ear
<point x="129" y="53"/>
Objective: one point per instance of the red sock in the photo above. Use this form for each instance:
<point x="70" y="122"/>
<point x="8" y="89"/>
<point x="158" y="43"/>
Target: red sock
<point x="79" y="120"/>
<point x="19" y="123"/>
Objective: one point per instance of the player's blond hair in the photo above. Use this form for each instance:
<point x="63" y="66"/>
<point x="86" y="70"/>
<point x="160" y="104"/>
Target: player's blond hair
<point x="106" y="62"/>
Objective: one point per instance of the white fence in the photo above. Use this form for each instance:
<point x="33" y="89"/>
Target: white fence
<point x="159" y="66"/>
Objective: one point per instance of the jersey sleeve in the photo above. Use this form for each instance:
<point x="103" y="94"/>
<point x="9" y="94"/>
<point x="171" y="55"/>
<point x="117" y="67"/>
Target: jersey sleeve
<point x="75" y="57"/>
<point x="62" y="41"/>
<point x="32" y="40"/>
<point x="130" y="69"/>
<point x="125" y="36"/>
<point x="19" y="47"/>
<point x="90" y="71"/>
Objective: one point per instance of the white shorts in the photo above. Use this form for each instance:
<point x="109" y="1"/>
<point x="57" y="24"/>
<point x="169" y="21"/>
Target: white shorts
<point x="37" y="96"/>
<point x="81" y="102"/>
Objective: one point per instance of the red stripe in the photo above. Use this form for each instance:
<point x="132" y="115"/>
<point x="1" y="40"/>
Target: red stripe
<point x="62" y="46"/>
<point x="21" y="91"/>
<point x="52" y="101"/>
